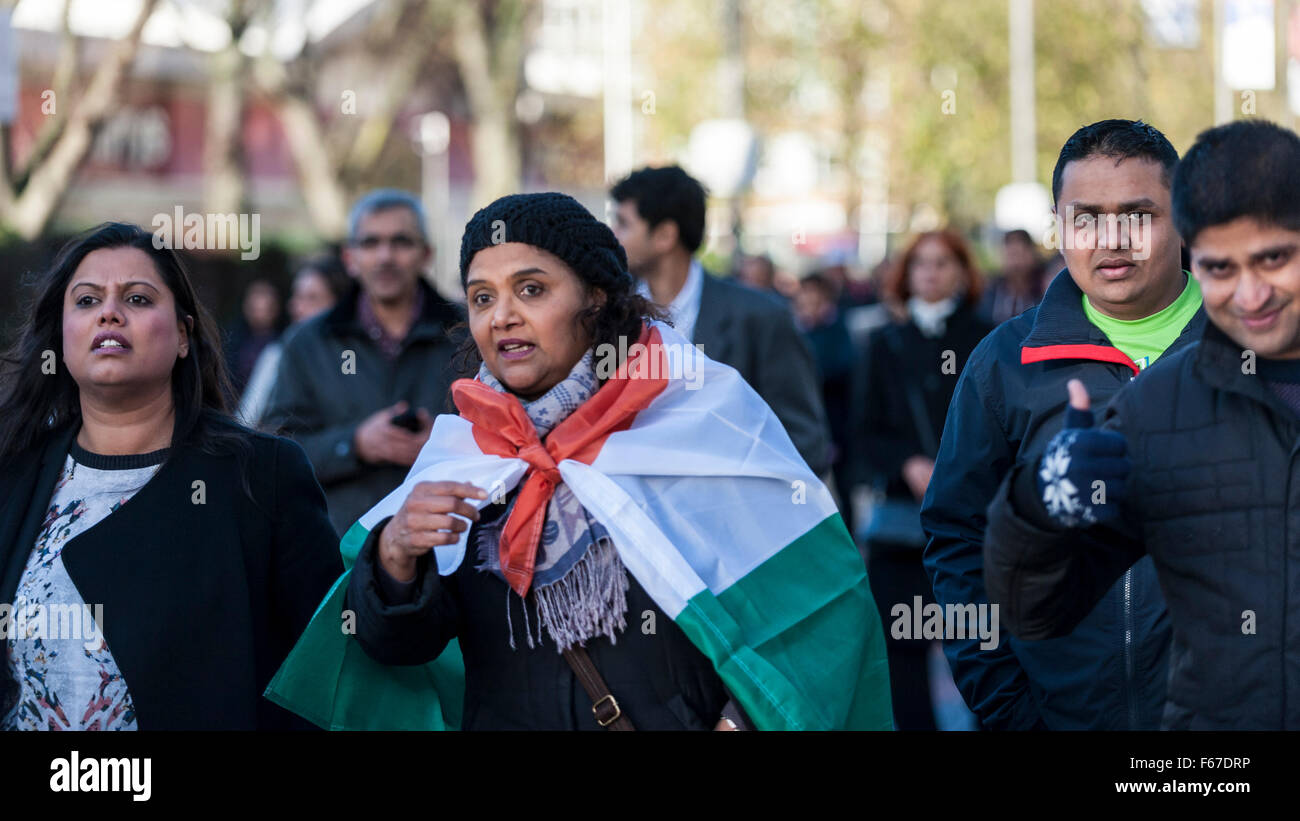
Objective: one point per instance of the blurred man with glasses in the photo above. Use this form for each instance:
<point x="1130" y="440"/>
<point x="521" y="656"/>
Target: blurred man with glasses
<point x="358" y="386"/>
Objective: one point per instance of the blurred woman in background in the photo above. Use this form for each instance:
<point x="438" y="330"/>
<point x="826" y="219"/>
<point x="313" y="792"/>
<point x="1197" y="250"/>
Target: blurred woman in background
<point x="821" y="321"/>
<point x="911" y="371"/>
<point x="1023" y="280"/>
<point x="319" y="283"/>
<point x="260" y="322"/>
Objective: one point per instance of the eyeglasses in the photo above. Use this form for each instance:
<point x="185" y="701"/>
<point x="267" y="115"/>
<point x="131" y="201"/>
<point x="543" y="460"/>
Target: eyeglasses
<point x="399" y="242"/>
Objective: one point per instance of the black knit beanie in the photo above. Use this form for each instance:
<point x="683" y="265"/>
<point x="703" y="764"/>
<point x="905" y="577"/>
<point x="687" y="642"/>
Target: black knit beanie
<point x="553" y="222"/>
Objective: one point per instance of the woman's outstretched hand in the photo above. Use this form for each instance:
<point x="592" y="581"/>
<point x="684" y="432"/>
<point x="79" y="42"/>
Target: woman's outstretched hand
<point x="435" y="513"/>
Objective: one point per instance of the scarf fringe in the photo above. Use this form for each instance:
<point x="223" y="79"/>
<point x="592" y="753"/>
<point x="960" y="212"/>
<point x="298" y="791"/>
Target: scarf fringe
<point x="589" y="601"/>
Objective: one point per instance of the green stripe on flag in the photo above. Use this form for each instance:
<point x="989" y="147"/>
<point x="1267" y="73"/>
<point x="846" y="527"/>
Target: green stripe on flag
<point x="352" y="542"/>
<point x="798" y="639"/>
<point x="330" y="681"/>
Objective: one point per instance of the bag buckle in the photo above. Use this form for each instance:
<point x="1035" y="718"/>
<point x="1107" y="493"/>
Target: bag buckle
<point x="595" y="710"/>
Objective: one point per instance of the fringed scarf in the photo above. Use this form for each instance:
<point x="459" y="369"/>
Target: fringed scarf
<point x="579" y="583"/>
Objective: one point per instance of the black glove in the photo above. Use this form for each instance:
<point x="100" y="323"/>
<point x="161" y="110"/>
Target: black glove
<point x="1082" y="474"/>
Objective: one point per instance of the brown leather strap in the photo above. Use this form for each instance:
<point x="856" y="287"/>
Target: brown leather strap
<point x="603" y="705"/>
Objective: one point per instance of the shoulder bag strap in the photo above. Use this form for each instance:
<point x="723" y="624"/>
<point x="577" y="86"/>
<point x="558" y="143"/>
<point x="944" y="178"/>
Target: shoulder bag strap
<point x="603" y="704"/>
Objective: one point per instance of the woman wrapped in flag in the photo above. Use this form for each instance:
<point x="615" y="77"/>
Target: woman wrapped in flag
<point x="604" y="486"/>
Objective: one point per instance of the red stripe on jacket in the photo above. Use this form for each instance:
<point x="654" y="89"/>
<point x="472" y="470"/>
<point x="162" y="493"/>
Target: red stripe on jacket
<point x="1100" y="353"/>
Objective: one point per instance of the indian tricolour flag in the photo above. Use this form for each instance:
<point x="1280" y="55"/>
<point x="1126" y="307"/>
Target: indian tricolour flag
<point x="717" y="517"/>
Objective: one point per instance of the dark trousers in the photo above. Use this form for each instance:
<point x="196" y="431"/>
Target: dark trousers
<point x="897" y="577"/>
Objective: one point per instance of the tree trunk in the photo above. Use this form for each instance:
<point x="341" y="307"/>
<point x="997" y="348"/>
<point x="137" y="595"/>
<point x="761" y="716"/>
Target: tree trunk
<point x="328" y="168"/>
<point x="489" y="60"/>
<point x="495" y="143"/>
<point x="326" y="201"/>
<point x="223" y="179"/>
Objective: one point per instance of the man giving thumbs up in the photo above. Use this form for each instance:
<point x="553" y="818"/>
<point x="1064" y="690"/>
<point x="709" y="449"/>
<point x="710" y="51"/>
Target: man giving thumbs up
<point x="1213" y="434"/>
<point x="1081" y="474"/>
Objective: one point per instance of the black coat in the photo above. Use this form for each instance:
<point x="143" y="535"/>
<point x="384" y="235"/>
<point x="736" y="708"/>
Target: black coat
<point x="1214" y="500"/>
<point x="319" y="404"/>
<point x="900" y="358"/>
<point x="202" y="602"/>
<point x="660" y="680"/>
<point x="1010" y="400"/>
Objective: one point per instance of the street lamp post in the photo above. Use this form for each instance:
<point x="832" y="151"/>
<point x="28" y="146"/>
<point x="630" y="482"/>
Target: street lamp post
<point x="617" y="62"/>
<point x="1023" y="139"/>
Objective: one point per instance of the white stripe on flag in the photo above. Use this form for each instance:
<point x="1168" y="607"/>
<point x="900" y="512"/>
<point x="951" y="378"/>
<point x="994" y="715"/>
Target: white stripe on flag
<point x="495" y="474"/>
<point x="647" y="554"/>
<point x="716" y="472"/>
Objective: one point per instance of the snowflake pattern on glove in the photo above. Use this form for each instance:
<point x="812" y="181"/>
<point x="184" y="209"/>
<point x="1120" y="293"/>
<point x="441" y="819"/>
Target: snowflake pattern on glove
<point x="1060" y="496"/>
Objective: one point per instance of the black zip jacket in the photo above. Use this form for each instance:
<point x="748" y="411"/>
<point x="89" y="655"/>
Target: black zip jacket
<point x="319" y="403"/>
<point x="1214" y="500"/>
<point x="1110" y="672"/>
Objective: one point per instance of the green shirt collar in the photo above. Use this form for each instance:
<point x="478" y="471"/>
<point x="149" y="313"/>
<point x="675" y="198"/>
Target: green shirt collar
<point x="1143" y="340"/>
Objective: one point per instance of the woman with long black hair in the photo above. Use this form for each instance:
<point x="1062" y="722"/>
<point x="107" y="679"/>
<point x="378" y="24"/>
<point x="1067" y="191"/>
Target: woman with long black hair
<point x="157" y="560"/>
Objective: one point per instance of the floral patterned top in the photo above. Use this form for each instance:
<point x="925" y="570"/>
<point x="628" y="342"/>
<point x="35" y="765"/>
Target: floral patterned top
<point x="55" y="644"/>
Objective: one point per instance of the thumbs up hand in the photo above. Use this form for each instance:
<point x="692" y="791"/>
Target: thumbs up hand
<point x="1081" y="475"/>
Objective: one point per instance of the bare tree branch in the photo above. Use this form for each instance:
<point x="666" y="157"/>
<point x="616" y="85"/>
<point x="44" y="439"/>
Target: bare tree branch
<point x="331" y="160"/>
<point x="322" y="192"/>
<point x="65" y="72"/>
<point x="223" y="177"/>
<point x="487" y="40"/>
<point x="405" y="59"/>
<point x="489" y="58"/>
<point x="29" y="212"/>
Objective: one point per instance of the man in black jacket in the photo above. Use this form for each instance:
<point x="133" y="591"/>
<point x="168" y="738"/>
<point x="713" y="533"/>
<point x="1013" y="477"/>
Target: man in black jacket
<point x="1124" y="299"/>
<point x="1196" y="463"/>
<point x="660" y="224"/>
<point x="381" y="354"/>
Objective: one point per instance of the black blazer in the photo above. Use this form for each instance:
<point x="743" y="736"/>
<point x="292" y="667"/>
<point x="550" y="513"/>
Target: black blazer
<point x="202" y="602"/>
